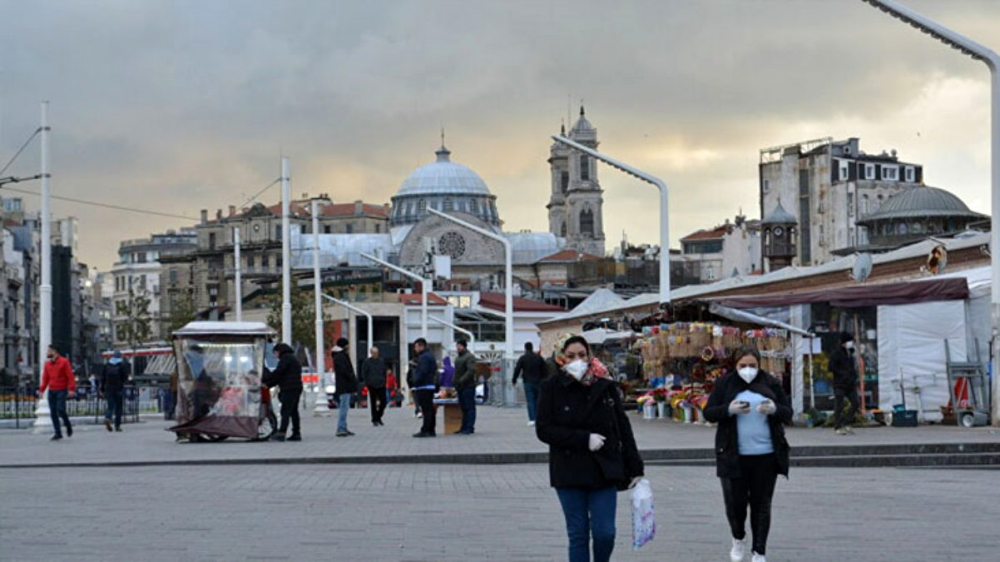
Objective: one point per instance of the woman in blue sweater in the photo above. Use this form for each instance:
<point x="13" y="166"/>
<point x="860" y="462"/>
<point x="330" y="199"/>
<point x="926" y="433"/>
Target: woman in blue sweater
<point x="750" y="446"/>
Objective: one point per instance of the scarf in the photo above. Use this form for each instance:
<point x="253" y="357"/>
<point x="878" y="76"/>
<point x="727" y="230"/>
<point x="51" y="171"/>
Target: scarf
<point x="596" y="370"/>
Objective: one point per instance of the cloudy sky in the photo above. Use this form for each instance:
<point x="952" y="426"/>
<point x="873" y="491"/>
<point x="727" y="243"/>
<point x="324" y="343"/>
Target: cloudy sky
<point x="182" y="105"/>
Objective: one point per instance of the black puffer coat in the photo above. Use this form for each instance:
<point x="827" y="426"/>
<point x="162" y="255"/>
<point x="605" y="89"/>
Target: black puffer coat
<point x="568" y="412"/>
<point x="727" y="450"/>
<point x="345" y="379"/>
<point x="288" y="373"/>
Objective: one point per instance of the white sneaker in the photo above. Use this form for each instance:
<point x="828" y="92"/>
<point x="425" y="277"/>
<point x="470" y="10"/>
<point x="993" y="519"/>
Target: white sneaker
<point x="758" y="557"/>
<point x="739" y="550"/>
<point x="531" y="424"/>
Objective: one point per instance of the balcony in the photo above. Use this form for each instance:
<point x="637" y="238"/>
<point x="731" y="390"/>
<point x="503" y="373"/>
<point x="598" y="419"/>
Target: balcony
<point x="257" y="271"/>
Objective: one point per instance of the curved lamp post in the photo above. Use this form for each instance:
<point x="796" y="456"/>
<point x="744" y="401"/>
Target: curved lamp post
<point x="664" y="218"/>
<point x="357" y="310"/>
<point x="424" y="283"/>
<point x="445" y="323"/>
<point x="992" y="62"/>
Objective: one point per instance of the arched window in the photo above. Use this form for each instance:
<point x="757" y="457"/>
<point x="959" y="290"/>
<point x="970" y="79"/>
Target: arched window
<point x="564" y="181"/>
<point x="901" y="228"/>
<point x="587" y="222"/>
<point x="473" y="206"/>
<point x="584" y="167"/>
<point x="448" y="206"/>
<point x="422" y="206"/>
<point x="916" y="228"/>
<point x="563" y="230"/>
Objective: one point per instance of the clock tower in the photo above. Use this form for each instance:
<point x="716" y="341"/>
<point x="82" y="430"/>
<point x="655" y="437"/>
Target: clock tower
<point x="780" y="230"/>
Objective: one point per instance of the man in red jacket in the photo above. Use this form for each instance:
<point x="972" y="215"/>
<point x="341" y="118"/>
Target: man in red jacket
<point x="57" y="377"/>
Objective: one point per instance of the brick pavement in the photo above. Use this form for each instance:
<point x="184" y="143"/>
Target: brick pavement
<point x="463" y="513"/>
<point x="499" y="430"/>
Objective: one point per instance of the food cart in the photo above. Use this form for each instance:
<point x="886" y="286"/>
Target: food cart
<point x="219" y="372"/>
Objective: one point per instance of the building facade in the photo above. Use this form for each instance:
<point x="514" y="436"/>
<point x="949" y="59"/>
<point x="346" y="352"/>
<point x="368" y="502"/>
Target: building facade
<point x="576" y="203"/>
<point x="731" y="249"/>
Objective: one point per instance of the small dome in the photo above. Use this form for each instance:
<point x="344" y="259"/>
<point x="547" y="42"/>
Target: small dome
<point x="919" y="202"/>
<point x="443" y="177"/>
<point x="779" y="216"/>
<point x="582" y="125"/>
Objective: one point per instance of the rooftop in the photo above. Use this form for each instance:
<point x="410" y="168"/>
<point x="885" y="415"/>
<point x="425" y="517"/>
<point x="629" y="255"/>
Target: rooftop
<point x="919" y="202"/>
<point x="496" y="301"/>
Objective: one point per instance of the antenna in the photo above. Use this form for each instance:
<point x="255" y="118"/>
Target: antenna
<point x="442" y="135"/>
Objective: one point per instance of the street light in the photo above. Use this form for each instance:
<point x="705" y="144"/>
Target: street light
<point x="664" y="219"/>
<point x="286" y="254"/>
<point x="992" y="61"/>
<point x="423" y="289"/>
<point x="45" y="291"/>
<point x="357" y="310"/>
<point x="508" y="279"/>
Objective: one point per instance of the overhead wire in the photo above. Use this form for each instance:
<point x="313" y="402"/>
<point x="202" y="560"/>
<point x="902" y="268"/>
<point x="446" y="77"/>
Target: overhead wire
<point x="104" y="205"/>
<point x="20" y="150"/>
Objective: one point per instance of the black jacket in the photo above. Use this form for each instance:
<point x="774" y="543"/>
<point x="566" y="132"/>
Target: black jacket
<point x="287" y="375"/>
<point x="727" y="452"/>
<point x="343" y="371"/>
<point x="568" y="412"/>
<point x="373" y="372"/>
<point x="532" y="366"/>
<point x="844" y="368"/>
<point x="114" y="377"/>
<point x="425" y="373"/>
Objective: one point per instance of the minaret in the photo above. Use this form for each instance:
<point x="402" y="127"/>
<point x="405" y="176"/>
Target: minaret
<point x="559" y="166"/>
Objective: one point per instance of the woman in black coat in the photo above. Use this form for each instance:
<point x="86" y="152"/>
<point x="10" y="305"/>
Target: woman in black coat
<point x="750" y="446"/>
<point x="592" y="452"/>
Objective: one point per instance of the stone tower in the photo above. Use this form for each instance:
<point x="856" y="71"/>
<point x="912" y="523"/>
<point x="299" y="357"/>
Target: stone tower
<point x="780" y="230"/>
<point x="576" y="203"/>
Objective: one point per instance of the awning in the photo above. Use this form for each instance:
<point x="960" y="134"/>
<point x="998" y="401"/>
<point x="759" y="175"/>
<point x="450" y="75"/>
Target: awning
<point x="600" y="336"/>
<point x="861" y="295"/>
<point x="744" y="316"/>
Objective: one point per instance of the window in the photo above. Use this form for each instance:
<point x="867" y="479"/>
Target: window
<point x="563" y="230"/>
<point x="864" y="204"/>
<point x="916" y="228"/>
<point x="250" y="261"/>
<point x="277" y="232"/>
<point x="901" y="228"/>
<point x="564" y="181"/>
<point x="869" y="171"/>
<point x="211" y="240"/>
<point x="448" y="205"/>
<point x="584" y="167"/>
<point x="473" y="206"/>
<point x="890" y="173"/>
<point x="587" y="222"/>
<point x="378" y="229"/>
<point x="349" y="228"/>
<point x="172" y="275"/>
<point x="710" y="273"/>
<point x="911" y="174"/>
<point x="326" y="229"/>
<point x="845" y="170"/>
<point x="422" y="206"/>
<point x="264" y="259"/>
<point x="850" y="204"/>
<point x="767" y="186"/>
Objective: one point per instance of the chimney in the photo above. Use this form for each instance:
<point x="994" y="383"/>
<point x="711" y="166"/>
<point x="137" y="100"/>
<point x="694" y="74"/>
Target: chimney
<point x="218" y="214"/>
<point x="359" y="208"/>
<point x="232" y="210"/>
<point x="204" y="217"/>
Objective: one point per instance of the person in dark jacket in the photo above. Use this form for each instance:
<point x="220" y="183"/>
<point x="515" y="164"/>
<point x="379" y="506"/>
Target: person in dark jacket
<point x="373" y="370"/>
<point x="465" y="386"/>
<point x="533" y="368"/>
<point x="592" y="451"/>
<point x="844" y="366"/>
<point x="114" y="376"/>
<point x="423" y="387"/>
<point x="750" y="408"/>
<point x="346" y="385"/>
<point x="287" y="376"/>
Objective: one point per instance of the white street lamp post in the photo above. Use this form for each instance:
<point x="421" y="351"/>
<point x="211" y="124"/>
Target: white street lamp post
<point x="320" y="359"/>
<point x="508" y="278"/>
<point x="286" y="254"/>
<point x="239" y="274"/>
<point x="43" y="421"/>
<point x="424" y="283"/>
<point x="992" y="61"/>
<point x="349" y="306"/>
<point x="664" y="218"/>
<point x="472" y="337"/>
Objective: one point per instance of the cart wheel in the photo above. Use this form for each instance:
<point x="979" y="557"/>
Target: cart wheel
<point x="267" y="427"/>
<point x="967" y="420"/>
<point x="217" y="438"/>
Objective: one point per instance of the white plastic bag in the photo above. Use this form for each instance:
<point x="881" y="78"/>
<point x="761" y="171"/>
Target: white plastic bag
<point x="643" y="519"/>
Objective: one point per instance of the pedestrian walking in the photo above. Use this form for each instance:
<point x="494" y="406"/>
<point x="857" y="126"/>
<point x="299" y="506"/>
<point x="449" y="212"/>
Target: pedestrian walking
<point x="532" y="367"/>
<point x="465" y="387"/>
<point x="844" y="366"/>
<point x="287" y="376"/>
<point x="114" y="376"/>
<point x="592" y="451"/>
<point x="373" y="374"/>
<point x="346" y="385"/>
<point x="423" y="387"/>
<point x="58" y="379"/>
<point x="750" y="408"/>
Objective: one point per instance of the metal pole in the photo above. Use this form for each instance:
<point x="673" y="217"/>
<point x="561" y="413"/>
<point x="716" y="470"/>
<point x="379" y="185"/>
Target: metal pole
<point x="239" y="274"/>
<point x="43" y="421"/>
<point x="286" y="254"/>
<point x="472" y="337"/>
<point x="423" y="289"/>
<point x="362" y="312"/>
<point x="318" y="296"/>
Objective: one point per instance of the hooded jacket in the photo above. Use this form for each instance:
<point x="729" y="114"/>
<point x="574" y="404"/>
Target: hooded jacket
<point x="114" y="375"/>
<point x="343" y="370"/>
<point x="288" y="374"/>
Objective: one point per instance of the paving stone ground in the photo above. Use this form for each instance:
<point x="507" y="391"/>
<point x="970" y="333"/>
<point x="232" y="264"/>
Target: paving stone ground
<point x="499" y="430"/>
<point x="471" y="513"/>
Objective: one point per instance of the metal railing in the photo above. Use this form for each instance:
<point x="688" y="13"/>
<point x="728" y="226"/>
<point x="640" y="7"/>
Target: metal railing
<point x="19" y="404"/>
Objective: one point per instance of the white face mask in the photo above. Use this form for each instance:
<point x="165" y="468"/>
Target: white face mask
<point x="748" y="374"/>
<point x="576" y="369"/>
<point x="849" y="345"/>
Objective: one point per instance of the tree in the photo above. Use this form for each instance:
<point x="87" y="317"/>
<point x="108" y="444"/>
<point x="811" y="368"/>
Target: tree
<point x="303" y="316"/>
<point x="182" y="310"/>
<point x="136" y="327"/>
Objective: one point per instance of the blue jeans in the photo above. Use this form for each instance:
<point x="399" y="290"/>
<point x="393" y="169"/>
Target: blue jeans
<point x="57" y="410"/>
<point x="467" y="402"/>
<point x="116" y="402"/>
<point x="343" y="407"/>
<point x="589" y="513"/>
<point x="531" y="397"/>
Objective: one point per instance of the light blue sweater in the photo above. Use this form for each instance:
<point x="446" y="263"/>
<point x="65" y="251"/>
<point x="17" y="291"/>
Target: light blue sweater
<point x="752" y="429"/>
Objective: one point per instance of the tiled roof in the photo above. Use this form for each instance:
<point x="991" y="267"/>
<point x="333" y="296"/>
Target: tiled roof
<point x="714" y="234"/>
<point x="569" y="255"/>
<point x="496" y="301"/>
<point x="347" y="210"/>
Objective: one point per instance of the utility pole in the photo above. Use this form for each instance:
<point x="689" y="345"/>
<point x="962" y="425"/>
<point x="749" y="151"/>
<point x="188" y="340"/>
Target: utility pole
<point x="239" y="274"/>
<point x="43" y="421"/>
<point x="286" y="254"/>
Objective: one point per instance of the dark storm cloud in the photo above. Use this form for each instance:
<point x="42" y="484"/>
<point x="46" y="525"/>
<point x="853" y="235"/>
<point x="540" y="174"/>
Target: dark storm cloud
<point x="187" y="105"/>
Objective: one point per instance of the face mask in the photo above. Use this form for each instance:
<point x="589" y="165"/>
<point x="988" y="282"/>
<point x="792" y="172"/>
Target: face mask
<point x="748" y="374"/>
<point x="576" y="369"/>
<point x="849" y="345"/>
